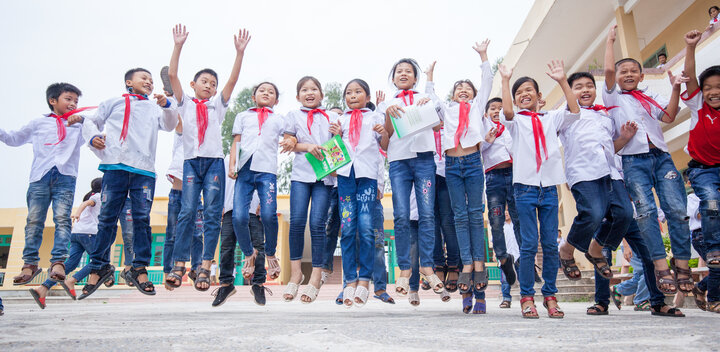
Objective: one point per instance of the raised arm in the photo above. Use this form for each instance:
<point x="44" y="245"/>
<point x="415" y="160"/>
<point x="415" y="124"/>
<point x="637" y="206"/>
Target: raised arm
<point x="610" y="58"/>
<point x="691" y="40"/>
<point x="507" y="107"/>
<point x="17" y="138"/>
<point x="487" y="75"/>
<point x="672" y="108"/>
<point x="557" y="72"/>
<point x="179" y="37"/>
<point x="241" y="41"/>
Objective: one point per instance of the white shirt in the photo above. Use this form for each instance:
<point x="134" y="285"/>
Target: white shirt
<point x="413" y="205"/>
<point x="42" y="133"/>
<point x="510" y="241"/>
<point x="629" y="109"/>
<point x="381" y="176"/>
<point x="87" y="224"/>
<point x="138" y="149"/>
<point x="499" y="150"/>
<point x="175" y="170"/>
<point x="408" y="147"/>
<point x="693" y="211"/>
<point x="366" y="156"/>
<point x="212" y="144"/>
<point x="523" y="147"/>
<point x="588" y="147"/>
<point x="229" y="188"/>
<point x="296" y="122"/>
<point x="213" y="269"/>
<point x="261" y="145"/>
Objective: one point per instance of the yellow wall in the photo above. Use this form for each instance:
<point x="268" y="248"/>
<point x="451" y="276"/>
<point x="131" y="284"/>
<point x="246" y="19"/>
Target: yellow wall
<point x="694" y="17"/>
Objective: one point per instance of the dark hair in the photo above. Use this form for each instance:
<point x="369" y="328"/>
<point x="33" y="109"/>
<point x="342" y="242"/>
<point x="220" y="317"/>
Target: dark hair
<point x="662" y="54"/>
<point x="277" y="92"/>
<point x="628" y="59"/>
<point x="713" y="7"/>
<point x="365" y="87"/>
<point x="131" y="72"/>
<point x="522" y="80"/>
<point x="55" y="90"/>
<point x="577" y="75"/>
<point x="709" y="72"/>
<point x="458" y="83"/>
<point x="336" y="107"/>
<point x="208" y="71"/>
<point x="412" y="62"/>
<point x="493" y="100"/>
<point x="309" y="78"/>
<point x="95" y="187"/>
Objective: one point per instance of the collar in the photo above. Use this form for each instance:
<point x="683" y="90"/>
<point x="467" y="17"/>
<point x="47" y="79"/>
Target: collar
<point x="257" y="108"/>
<point x="349" y="111"/>
<point x="415" y="91"/>
<point x="306" y="109"/>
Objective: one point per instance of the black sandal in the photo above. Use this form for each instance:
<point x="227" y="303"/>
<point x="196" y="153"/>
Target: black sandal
<point x="133" y="274"/>
<point x="657" y="310"/>
<point x="122" y="275"/>
<point x="570" y="269"/>
<point x="480" y="278"/>
<point x="205" y="278"/>
<point x="451" y="285"/>
<point x="713" y="259"/>
<point x="104" y="274"/>
<point x="464" y="279"/>
<point x="173" y="277"/>
<point x="601" y="266"/>
<point x="597" y="309"/>
<point x="687" y="280"/>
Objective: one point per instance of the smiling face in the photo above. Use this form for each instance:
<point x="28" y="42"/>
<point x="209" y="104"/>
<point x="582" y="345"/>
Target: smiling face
<point x="205" y="86"/>
<point x="67" y="101"/>
<point x="141" y="83"/>
<point x="265" y="96"/>
<point x="628" y="75"/>
<point x="711" y="91"/>
<point x="355" y="96"/>
<point x="713" y="12"/>
<point x="526" y="97"/>
<point x="584" y="90"/>
<point x="463" y="92"/>
<point x="494" y="111"/>
<point x="404" y="76"/>
<point x="310" y="95"/>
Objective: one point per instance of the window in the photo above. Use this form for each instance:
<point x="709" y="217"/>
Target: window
<point x="119" y="254"/>
<point x="4" y="250"/>
<point x="652" y="61"/>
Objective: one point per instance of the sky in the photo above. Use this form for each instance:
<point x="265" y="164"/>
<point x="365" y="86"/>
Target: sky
<point x="91" y="44"/>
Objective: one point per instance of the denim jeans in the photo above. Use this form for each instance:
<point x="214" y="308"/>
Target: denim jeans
<point x="60" y="190"/>
<point x="418" y="173"/>
<point x="266" y="185"/>
<point x="197" y="241"/>
<point x="706" y="183"/>
<point x="711" y="282"/>
<point x="446" y="251"/>
<point x="499" y="194"/>
<point x="505" y="288"/>
<point x="537" y="204"/>
<point x="79" y="244"/>
<point x="332" y="229"/>
<point x="414" y="260"/>
<point x="357" y="202"/>
<point x="636" y="284"/>
<point x="655" y="169"/>
<point x="126" y="227"/>
<point x="301" y="194"/>
<point x="206" y="176"/>
<point x="592" y="199"/>
<point x="115" y="187"/>
<point x="465" y="181"/>
<point x="228" y="241"/>
<point x="379" y="268"/>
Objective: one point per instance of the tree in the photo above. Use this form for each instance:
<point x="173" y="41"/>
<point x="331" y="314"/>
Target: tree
<point x="496" y="64"/>
<point x="333" y="96"/>
<point x="242" y="102"/>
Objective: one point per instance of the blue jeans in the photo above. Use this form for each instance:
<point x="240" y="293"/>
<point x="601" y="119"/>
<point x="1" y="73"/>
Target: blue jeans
<point x="655" y="169"/>
<point x="115" y="187"/>
<point x="706" y="183"/>
<point x="379" y="268"/>
<point x="301" y="194"/>
<point x="59" y="189"/>
<point x="414" y="260"/>
<point x="505" y="288"/>
<point x="206" y="175"/>
<point x="636" y="284"/>
<point x="711" y="282"/>
<point x="537" y="204"/>
<point x="266" y="185"/>
<point x="79" y="244"/>
<point x="445" y="236"/>
<point x="418" y="172"/>
<point x="465" y="181"/>
<point x="197" y="241"/>
<point x="126" y="227"/>
<point x="332" y="229"/>
<point x="357" y="202"/>
<point x="592" y="199"/>
<point x="499" y="194"/>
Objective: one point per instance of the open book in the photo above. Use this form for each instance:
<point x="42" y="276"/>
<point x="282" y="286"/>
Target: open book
<point x="415" y="119"/>
<point x="334" y="158"/>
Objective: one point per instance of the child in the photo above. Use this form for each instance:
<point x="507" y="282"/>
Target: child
<point x="512" y="247"/>
<point x="203" y="169"/>
<point x="332" y="228"/>
<point x="310" y="125"/>
<point x="647" y="164"/>
<point x="379" y="268"/>
<point x="363" y="133"/>
<point x="714" y="13"/>
<point x="56" y="153"/>
<point x="127" y="157"/>
<point x="537" y="170"/>
<point x="703" y="99"/>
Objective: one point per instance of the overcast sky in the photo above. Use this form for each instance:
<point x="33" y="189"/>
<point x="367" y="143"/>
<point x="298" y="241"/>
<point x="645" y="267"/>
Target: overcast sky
<point x="92" y="43"/>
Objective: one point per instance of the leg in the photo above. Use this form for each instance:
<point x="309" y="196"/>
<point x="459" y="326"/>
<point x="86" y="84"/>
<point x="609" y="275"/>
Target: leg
<point x="227" y="250"/>
<point x="258" y="240"/>
<point x="62" y="190"/>
<point x="379" y="268"/>
<point x="347" y="193"/>
<point x="299" y="201"/>
<point x="526" y="199"/>
<point x="706" y="183"/>
<point x="265" y="184"/>
<point x="213" y="197"/>
<point x="332" y="230"/>
<point x="38" y="201"/>
<point x="447" y="222"/>
<point x="173" y="212"/>
<point x="366" y="198"/>
<point x="458" y="201"/>
<point x="244" y="188"/>
<point x="548" y="218"/>
<point x="142" y="191"/>
<point x="197" y="247"/>
<point x="496" y="197"/>
<point x="126" y="227"/>
<point x="424" y="180"/>
<point x="318" y="218"/>
<point x="401" y="181"/>
<point x="193" y="178"/>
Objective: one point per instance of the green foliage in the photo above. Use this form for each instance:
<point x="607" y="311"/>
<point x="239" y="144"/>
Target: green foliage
<point x="666" y="243"/>
<point x="284" y="172"/>
<point x="496" y="64"/>
<point x="333" y="96"/>
<point x="242" y="102"/>
<point x="693" y="263"/>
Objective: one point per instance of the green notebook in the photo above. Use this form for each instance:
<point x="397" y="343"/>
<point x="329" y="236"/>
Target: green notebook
<point x="334" y="158"/>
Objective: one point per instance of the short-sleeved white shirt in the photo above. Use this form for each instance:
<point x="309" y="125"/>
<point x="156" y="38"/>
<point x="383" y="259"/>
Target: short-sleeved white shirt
<point x="366" y="156"/>
<point x="408" y="147"/>
<point x="319" y="133"/>
<point x="262" y="146"/>
<point x="498" y="151"/>
<point x="87" y="224"/>
<point x="212" y="144"/>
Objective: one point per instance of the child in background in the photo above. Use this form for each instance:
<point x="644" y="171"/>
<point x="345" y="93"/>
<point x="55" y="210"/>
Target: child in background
<point x="56" y="142"/>
<point x="513" y="249"/>
<point x="714" y="13"/>
<point x="380" y="273"/>
<point x="332" y="228"/>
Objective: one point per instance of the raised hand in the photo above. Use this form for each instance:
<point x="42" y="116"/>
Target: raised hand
<point x="628" y="130"/>
<point x="692" y="37"/>
<point x="541" y="103"/>
<point x="557" y="70"/>
<point x="612" y="34"/>
<point x="677" y="80"/>
<point x="180" y="34"/>
<point x="241" y="40"/>
<point x="505" y="72"/>
<point x="482" y="47"/>
<point x="430" y="70"/>
<point x="379" y="97"/>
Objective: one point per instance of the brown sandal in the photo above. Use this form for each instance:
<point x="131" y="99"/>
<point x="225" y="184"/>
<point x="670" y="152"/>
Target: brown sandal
<point x="529" y="312"/>
<point x="505" y="304"/>
<point x="56" y="276"/>
<point x="686" y="280"/>
<point x="660" y="280"/>
<point x="23" y="279"/>
<point x="713" y="306"/>
<point x="601" y="266"/>
<point x="554" y="312"/>
<point x="570" y="269"/>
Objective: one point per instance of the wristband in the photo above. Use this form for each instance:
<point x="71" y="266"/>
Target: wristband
<point x="167" y="104"/>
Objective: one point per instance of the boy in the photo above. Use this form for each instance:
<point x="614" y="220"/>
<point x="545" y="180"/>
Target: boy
<point x="56" y="144"/>
<point x="203" y="168"/>
<point x="647" y="164"/>
<point x="127" y="157"/>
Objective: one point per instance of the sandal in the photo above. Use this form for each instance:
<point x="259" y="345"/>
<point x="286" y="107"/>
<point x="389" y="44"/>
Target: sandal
<point x="339" y="299"/>
<point x="451" y="285"/>
<point x="529" y="312"/>
<point x="129" y="284"/>
<point x="464" y="279"/>
<point x="601" y="266"/>
<point x="348" y="295"/>
<point x="23" y="279"/>
<point x="616" y="297"/>
<point x="435" y="283"/>
<point x="111" y="282"/>
<point x="414" y="299"/>
<point x="508" y="268"/>
<point x="445" y="296"/>
<point x="700" y="300"/>
<point x="713" y="259"/>
<point x="39" y="300"/>
<point x="424" y="284"/>
<point x="643" y="306"/>
<point x="311" y="292"/>
<point x="597" y="309"/>
<point x="68" y="290"/>
<point x="554" y="312"/>
<point x="324" y="276"/>
<point x="249" y="265"/>
<point x="441" y="271"/>
<point x="133" y="274"/>
<point x="480" y="278"/>
<point x="202" y="277"/>
<point x="273" y="270"/>
<point x="687" y="276"/>
<point x="402" y="285"/>
<point x="104" y="274"/>
<point x="361" y="296"/>
<point x="660" y="279"/>
<point x="671" y="312"/>
<point x="467" y="304"/>
<point x="505" y="304"/>
<point x="570" y="269"/>
<point x="292" y="290"/>
<point x="479" y="308"/>
<point x="713" y="306"/>
<point x="385" y="297"/>
<point x="56" y="276"/>
<point x="173" y="279"/>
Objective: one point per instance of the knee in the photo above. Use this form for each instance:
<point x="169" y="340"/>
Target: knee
<point x="241" y="218"/>
<point x="268" y="217"/>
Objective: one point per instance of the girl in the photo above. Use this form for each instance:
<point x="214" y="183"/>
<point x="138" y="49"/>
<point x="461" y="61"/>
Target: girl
<point x="311" y="127"/>
<point x="257" y="131"/>
<point x="362" y="132"/>
<point x="537" y="170"/>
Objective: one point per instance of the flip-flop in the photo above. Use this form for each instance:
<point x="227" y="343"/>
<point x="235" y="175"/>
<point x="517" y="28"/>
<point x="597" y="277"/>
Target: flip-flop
<point x="165" y="78"/>
<point x="657" y="310"/>
<point x="39" y="300"/>
<point x="385" y="297"/>
<point x="70" y="292"/>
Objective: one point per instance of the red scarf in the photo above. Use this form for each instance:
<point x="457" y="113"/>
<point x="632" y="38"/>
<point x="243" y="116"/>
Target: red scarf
<point x="126" y="118"/>
<point x="463" y="123"/>
<point x="409" y="94"/>
<point x="438" y="144"/>
<point x="356" y="118"/>
<point x="645" y="101"/>
<point x="61" y="132"/>
<point x="262" y="114"/>
<point x="202" y="118"/>
<point x="538" y="135"/>
<point x="500" y="128"/>
<point x="598" y="107"/>
<point x="310" y="117"/>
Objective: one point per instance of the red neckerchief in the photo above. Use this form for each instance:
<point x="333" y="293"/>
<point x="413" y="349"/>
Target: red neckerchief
<point x="644" y="100"/>
<point x="262" y="114"/>
<point x="538" y="135"/>
<point x="463" y="122"/>
<point x="438" y="144"/>
<point x="382" y="152"/>
<point x="61" y="132"/>
<point x="310" y="114"/>
<point x="500" y="128"/>
<point x="598" y="107"/>
<point x="202" y="118"/>
<point x="409" y="94"/>
<point x="356" y="118"/>
<point x="126" y="118"/>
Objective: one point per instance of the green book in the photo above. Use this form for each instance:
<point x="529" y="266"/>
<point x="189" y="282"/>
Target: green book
<point x="334" y="158"/>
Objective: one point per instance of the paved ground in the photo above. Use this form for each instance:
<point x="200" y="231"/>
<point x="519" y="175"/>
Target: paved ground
<point x="184" y="320"/>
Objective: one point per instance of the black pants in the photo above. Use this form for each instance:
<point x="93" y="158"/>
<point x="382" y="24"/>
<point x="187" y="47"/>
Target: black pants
<point x="227" y="249"/>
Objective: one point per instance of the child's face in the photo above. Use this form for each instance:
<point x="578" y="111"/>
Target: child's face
<point x="310" y="95"/>
<point x="265" y="96"/>
<point x="526" y="97"/>
<point x="404" y="77"/>
<point x="205" y="87"/>
<point x="713" y="13"/>
<point x="662" y="59"/>
<point x="584" y="90"/>
<point x="463" y="93"/>
<point x="337" y="111"/>
<point x="494" y="111"/>
<point x="67" y="101"/>
<point x="628" y="75"/>
<point x="355" y="96"/>
<point x="711" y="91"/>
<point x="141" y="83"/>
